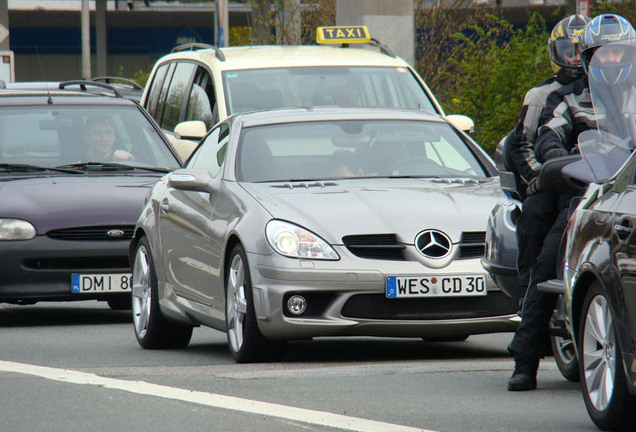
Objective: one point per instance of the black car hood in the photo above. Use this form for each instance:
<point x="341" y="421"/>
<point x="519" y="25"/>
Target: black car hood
<point x="78" y="201"/>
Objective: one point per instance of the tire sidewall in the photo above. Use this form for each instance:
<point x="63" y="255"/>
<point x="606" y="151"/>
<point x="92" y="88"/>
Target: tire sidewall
<point x="618" y="411"/>
<point x="150" y="338"/>
<point x="250" y="326"/>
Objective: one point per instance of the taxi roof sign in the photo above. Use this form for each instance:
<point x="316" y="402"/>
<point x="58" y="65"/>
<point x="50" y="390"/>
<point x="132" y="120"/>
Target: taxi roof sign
<point x="342" y="34"/>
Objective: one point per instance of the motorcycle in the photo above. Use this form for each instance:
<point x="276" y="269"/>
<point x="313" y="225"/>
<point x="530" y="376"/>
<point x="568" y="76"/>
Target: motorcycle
<point x="601" y="152"/>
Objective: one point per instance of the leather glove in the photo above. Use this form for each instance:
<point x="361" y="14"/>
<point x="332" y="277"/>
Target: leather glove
<point x="555" y="153"/>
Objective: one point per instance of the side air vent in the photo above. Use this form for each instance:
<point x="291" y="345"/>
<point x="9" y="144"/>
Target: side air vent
<point x="375" y="246"/>
<point x="473" y="244"/>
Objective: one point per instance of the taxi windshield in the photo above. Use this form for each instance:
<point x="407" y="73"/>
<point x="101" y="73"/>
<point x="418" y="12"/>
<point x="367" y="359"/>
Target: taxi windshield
<point x="258" y="89"/>
<point x="321" y="150"/>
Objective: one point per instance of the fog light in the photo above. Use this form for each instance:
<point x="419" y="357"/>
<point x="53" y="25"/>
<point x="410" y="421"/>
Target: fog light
<point x="297" y="304"/>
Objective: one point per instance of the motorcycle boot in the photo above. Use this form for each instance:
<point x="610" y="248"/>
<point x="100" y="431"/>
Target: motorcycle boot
<point x="524" y="377"/>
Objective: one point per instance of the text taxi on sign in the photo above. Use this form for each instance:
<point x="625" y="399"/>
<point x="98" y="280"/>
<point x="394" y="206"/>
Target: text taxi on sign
<point x="342" y="34"/>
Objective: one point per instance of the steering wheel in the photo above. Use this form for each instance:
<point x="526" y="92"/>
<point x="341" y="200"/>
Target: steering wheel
<point x="411" y="166"/>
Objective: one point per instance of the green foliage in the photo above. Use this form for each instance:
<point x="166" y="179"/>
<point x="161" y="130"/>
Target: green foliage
<point x="492" y="66"/>
<point x="140" y="76"/>
<point x="626" y="9"/>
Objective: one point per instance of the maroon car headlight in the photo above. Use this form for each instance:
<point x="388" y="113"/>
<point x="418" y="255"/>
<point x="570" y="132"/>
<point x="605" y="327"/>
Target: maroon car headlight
<point x="297" y="242"/>
<point x="16" y="229"/>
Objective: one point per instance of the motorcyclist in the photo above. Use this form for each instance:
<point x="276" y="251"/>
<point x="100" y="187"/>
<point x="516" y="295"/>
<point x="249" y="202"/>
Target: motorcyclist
<point x="539" y="209"/>
<point x="568" y="112"/>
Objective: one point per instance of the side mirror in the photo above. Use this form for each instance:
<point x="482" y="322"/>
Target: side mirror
<point x="190" y="130"/>
<point x="191" y="180"/>
<point x="462" y="122"/>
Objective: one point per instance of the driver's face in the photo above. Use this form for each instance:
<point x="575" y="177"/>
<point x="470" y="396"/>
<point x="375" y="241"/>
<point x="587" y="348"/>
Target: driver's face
<point x="610" y="54"/>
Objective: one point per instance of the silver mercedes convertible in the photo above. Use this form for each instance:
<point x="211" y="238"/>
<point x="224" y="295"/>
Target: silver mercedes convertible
<point x="298" y="223"/>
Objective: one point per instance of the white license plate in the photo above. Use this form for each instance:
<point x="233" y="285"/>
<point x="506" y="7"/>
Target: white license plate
<point x="436" y="286"/>
<point x="98" y="283"/>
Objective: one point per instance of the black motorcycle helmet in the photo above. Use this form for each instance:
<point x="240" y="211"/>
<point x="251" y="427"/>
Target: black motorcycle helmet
<point x="602" y="30"/>
<point x="563" y="47"/>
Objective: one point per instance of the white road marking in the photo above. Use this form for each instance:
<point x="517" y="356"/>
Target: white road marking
<point x="320" y="418"/>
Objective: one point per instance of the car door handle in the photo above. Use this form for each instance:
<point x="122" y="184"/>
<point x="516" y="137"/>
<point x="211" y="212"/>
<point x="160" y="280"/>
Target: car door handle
<point x="164" y="206"/>
<point x="622" y="231"/>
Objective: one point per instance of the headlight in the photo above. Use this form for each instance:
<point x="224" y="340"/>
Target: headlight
<point x="16" y="229"/>
<point x="296" y="242"/>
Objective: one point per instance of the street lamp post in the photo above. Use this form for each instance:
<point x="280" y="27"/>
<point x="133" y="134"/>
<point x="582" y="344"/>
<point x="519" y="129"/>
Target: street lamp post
<point x="86" y="40"/>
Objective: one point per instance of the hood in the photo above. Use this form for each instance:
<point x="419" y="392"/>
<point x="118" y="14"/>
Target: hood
<point x="382" y="206"/>
<point x="78" y="201"/>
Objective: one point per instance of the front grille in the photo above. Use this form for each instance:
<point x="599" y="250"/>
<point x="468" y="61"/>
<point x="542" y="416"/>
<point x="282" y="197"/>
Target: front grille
<point x="377" y="306"/>
<point x="375" y="246"/>
<point x="387" y="247"/>
<point x="78" y="264"/>
<point x="92" y="233"/>
<point x="473" y="244"/>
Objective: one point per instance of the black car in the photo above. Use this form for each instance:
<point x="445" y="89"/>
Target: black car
<point x="74" y="170"/>
<point x="600" y="294"/>
<point x="599" y="271"/>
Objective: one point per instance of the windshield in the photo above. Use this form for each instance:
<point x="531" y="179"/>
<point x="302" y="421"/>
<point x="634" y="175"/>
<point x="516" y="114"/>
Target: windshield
<point x="613" y="92"/>
<point x="353" y="149"/>
<point x="257" y="89"/>
<point x="58" y="135"/>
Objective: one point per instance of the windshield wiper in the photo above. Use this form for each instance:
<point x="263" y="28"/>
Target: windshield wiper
<point x="412" y="176"/>
<point x="111" y="166"/>
<point x="28" y="167"/>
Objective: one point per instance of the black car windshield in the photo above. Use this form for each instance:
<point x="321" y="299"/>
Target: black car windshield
<point x="354" y="149"/>
<point x="62" y="135"/>
<point x="257" y="89"/>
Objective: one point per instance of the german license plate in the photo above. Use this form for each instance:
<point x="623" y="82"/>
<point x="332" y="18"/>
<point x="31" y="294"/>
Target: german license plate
<point x="436" y="286"/>
<point x="98" y="283"/>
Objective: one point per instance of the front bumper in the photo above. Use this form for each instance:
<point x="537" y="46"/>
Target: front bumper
<point x="40" y="269"/>
<point x="346" y="300"/>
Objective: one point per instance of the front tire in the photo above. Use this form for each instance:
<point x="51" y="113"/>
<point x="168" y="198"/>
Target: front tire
<point x="607" y="400"/>
<point x="152" y="329"/>
<point x="565" y="358"/>
<point x="247" y="343"/>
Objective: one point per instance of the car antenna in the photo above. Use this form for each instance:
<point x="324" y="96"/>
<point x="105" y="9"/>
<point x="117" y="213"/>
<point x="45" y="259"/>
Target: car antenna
<point x="49" y="100"/>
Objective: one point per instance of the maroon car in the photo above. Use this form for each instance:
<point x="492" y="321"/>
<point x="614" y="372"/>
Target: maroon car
<point x="74" y="170"/>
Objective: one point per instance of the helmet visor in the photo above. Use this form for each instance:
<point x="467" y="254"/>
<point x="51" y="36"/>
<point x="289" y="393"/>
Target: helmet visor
<point x="567" y="52"/>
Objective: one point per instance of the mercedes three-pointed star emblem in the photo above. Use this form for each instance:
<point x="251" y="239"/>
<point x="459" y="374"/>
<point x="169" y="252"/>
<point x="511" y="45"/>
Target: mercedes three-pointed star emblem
<point x="433" y="244"/>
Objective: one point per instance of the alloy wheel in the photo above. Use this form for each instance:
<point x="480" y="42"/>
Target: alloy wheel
<point x="236" y="303"/>
<point x="599" y="353"/>
<point x="141" y="292"/>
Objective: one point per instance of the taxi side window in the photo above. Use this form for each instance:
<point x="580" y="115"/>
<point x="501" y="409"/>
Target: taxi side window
<point x="155" y="89"/>
<point x="176" y="95"/>
<point x="163" y="93"/>
<point x="210" y="154"/>
<point x="202" y="100"/>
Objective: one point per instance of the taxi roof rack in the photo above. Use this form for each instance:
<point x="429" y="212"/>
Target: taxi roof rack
<point x="383" y="48"/>
<point x="83" y="84"/>
<point x="194" y="46"/>
<point x="376" y="43"/>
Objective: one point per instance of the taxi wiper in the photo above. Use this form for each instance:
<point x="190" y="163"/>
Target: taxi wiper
<point x="35" y="168"/>
<point x="111" y="166"/>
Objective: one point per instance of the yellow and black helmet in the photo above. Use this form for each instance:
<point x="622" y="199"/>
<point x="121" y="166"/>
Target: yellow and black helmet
<point x="563" y="46"/>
